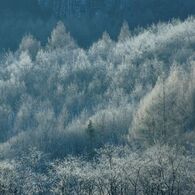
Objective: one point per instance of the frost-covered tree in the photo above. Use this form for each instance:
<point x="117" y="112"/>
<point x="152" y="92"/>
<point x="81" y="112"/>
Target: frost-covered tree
<point x="60" y="38"/>
<point x="163" y="115"/>
<point x="30" y="45"/>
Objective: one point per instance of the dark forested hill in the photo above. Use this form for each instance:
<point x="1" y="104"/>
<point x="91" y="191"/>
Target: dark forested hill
<point x="21" y="5"/>
<point x="85" y="19"/>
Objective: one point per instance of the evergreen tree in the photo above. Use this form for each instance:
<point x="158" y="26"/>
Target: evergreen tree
<point x="90" y="131"/>
<point x="91" y="137"/>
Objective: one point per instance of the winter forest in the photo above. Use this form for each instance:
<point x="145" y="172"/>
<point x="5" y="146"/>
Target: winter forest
<point x="110" y="115"/>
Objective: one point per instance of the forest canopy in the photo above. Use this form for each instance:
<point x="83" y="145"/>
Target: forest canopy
<point x="117" y="118"/>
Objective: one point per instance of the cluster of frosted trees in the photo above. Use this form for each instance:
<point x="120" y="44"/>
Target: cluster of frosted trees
<point x="65" y="100"/>
<point x="118" y="171"/>
<point x="142" y="85"/>
<point x="113" y="171"/>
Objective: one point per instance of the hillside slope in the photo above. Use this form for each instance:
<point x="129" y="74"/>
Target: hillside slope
<point x="115" y="119"/>
<point x="49" y="94"/>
